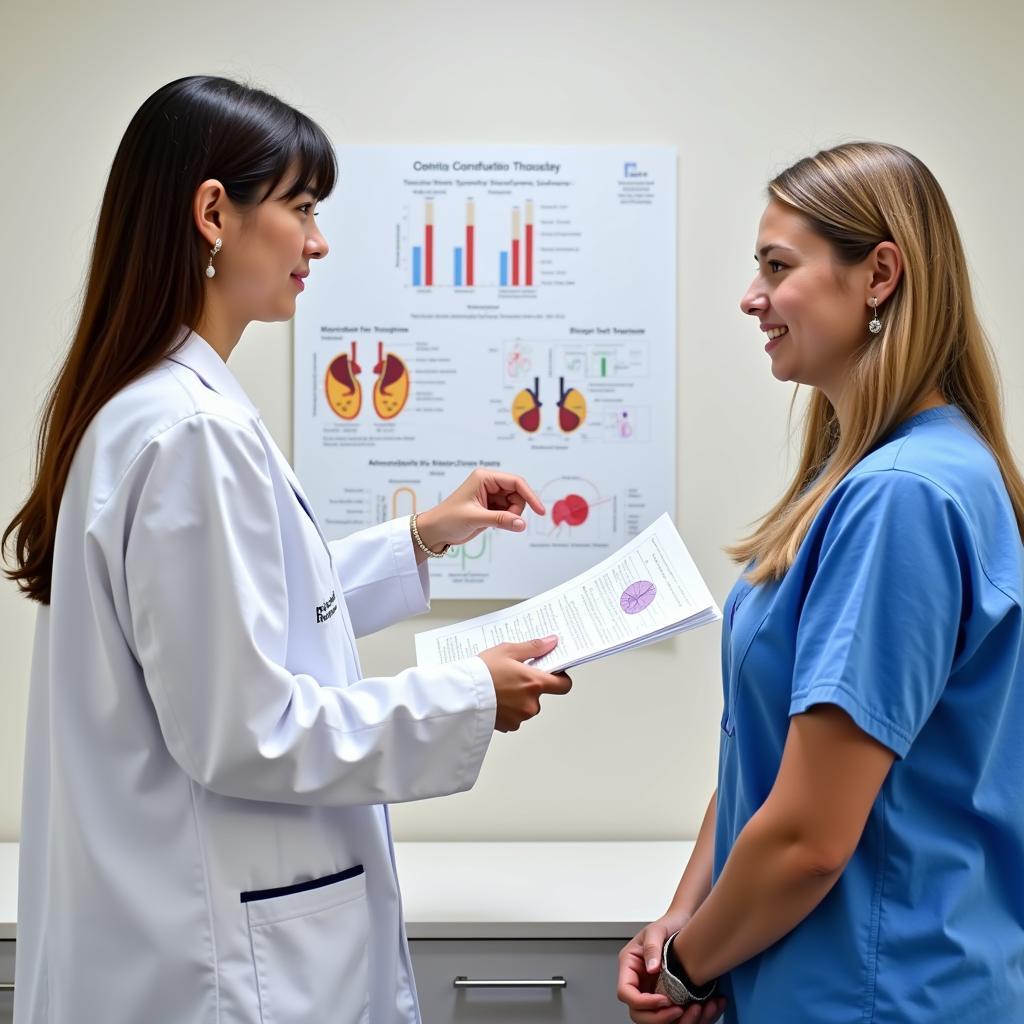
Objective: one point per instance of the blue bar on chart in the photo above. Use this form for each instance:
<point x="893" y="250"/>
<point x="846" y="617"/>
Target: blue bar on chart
<point x="417" y="264"/>
<point x="458" y="267"/>
<point x="503" y="270"/>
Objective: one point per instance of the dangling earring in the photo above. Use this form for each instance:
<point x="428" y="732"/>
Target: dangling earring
<point x="210" y="271"/>
<point x="875" y="326"/>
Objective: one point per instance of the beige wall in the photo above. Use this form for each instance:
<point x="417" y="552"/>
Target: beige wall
<point x="741" y="88"/>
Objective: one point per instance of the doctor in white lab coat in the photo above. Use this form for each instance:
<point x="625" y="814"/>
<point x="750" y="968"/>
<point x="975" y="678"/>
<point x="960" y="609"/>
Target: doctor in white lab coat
<point x="205" y="832"/>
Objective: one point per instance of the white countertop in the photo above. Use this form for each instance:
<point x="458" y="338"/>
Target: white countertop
<point x="520" y="890"/>
<point x="511" y="890"/>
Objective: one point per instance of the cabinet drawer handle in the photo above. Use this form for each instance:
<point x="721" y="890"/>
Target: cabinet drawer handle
<point x="6" y="986"/>
<point x="463" y="982"/>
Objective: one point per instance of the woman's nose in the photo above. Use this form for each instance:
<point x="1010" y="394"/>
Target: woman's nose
<point x="753" y="302"/>
<point x="316" y="246"/>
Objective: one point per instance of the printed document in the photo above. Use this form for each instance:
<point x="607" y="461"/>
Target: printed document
<point x="648" y="590"/>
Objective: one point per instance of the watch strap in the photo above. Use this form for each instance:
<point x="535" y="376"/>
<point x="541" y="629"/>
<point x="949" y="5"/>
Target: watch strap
<point x="674" y="982"/>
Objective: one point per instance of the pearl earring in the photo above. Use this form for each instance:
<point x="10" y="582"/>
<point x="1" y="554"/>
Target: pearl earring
<point x="210" y="271"/>
<point x="875" y="325"/>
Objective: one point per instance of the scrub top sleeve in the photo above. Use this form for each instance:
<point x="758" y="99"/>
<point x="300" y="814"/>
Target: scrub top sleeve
<point x="878" y="630"/>
<point x="379" y="576"/>
<point x="209" y="615"/>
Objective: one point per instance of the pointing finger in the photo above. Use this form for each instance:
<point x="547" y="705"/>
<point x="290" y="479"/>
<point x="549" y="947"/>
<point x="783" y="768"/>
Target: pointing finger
<point x="516" y="485"/>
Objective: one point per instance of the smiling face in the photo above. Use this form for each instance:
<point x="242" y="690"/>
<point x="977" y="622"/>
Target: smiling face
<point x="270" y="256"/>
<point x="267" y="249"/>
<point x="812" y="309"/>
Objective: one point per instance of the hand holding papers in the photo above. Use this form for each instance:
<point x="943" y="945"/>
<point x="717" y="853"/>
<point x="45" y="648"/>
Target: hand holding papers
<point x="648" y="590"/>
<point x="518" y="683"/>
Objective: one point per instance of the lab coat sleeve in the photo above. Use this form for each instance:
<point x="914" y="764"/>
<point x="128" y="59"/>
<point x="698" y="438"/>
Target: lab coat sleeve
<point x="209" y="613"/>
<point x="378" y="573"/>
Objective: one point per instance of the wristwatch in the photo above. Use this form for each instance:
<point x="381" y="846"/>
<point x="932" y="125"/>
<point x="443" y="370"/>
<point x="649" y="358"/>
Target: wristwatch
<point x="674" y="983"/>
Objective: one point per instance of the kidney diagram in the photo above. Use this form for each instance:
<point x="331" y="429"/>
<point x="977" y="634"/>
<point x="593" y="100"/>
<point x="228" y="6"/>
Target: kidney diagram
<point x="345" y="393"/>
<point x="526" y="408"/>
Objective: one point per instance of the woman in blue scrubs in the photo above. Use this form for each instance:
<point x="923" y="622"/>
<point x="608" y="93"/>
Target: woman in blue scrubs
<point x="862" y="860"/>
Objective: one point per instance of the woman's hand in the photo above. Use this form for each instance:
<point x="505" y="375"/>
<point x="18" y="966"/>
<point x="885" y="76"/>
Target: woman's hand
<point x="518" y="687"/>
<point x="486" y="499"/>
<point x="639" y="966"/>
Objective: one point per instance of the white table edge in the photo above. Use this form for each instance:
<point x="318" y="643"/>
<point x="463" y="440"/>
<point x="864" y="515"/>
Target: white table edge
<point x="554" y="899"/>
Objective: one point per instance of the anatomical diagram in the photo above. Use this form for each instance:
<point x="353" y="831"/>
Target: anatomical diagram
<point x="572" y="408"/>
<point x="391" y="390"/>
<point x="573" y="509"/>
<point x="637" y="596"/>
<point x="344" y="392"/>
<point x="526" y="408"/>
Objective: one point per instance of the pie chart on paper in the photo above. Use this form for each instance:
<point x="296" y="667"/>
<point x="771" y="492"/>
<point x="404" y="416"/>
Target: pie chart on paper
<point x="637" y="596"/>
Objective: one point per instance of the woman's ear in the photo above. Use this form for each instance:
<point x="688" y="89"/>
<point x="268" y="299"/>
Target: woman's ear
<point x="208" y="210"/>
<point x="885" y="265"/>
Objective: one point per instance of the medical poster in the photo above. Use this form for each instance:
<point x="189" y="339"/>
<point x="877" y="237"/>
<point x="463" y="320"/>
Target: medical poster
<point x="510" y="307"/>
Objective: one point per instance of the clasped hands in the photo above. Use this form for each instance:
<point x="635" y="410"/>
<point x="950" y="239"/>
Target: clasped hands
<point x="639" y="966"/>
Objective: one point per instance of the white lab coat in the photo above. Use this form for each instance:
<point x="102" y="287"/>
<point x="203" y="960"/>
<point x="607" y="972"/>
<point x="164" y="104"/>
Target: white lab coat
<point x="201" y="736"/>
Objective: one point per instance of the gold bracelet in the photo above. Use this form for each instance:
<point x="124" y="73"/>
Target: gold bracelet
<point x="419" y="540"/>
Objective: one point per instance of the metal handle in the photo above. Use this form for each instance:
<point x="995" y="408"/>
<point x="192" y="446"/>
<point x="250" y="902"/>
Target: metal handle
<point x="6" y="986"/>
<point x="555" y="982"/>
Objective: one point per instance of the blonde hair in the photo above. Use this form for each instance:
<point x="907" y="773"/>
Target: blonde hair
<point x="856" y="196"/>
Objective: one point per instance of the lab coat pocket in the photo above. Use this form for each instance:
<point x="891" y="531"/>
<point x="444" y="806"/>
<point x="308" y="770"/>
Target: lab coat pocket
<point x="309" y="946"/>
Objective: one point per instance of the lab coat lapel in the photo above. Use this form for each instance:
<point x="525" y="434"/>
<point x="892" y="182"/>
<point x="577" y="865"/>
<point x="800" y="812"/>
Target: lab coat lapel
<point x="299" y="495"/>
<point x="207" y="365"/>
<point x="197" y="355"/>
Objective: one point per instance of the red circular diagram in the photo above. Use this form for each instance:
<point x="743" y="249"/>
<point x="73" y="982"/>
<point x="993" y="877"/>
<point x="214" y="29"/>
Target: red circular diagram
<point x="572" y="509"/>
<point x="637" y="596"/>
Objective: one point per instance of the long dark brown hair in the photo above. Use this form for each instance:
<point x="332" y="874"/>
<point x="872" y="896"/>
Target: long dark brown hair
<point x="146" y="276"/>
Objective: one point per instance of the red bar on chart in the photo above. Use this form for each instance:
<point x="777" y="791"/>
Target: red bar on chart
<point x="470" y="228"/>
<point x="515" y="246"/>
<point x="428" y="244"/>
<point x="529" y="243"/>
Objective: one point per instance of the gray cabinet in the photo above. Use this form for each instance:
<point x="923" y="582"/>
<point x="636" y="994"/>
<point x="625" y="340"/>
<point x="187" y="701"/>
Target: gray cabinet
<point x="576" y="976"/>
<point x="552" y="913"/>
<point x="6" y="981"/>
<point x="501" y="981"/>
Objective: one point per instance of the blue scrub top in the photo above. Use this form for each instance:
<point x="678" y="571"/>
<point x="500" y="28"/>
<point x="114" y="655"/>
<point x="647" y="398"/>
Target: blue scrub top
<point x="903" y="608"/>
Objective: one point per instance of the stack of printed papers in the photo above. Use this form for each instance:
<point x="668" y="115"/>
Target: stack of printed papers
<point x="647" y="591"/>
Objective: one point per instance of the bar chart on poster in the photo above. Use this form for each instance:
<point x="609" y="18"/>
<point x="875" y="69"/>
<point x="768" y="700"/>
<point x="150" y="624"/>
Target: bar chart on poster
<point x="510" y="263"/>
<point x="510" y="308"/>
